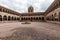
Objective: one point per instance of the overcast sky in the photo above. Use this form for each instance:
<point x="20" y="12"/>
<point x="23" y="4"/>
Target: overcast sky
<point x="22" y="5"/>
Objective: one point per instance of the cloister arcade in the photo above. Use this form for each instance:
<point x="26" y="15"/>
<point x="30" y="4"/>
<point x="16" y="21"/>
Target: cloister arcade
<point x="53" y="12"/>
<point x="8" y="15"/>
<point x="9" y="18"/>
<point x="32" y="18"/>
<point x="54" y="15"/>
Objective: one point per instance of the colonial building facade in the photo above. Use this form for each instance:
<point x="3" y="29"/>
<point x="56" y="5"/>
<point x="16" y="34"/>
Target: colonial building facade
<point x="51" y="14"/>
<point x="8" y="15"/>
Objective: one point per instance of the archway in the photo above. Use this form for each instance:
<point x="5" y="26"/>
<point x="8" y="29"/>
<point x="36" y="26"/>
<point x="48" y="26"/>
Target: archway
<point x="18" y="19"/>
<point x="9" y="18"/>
<point x="36" y="18"/>
<point x="24" y="18"/>
<point x="21" y="19"/>
<point x="15" y="18"/>
<point x="5" y="18"/>
<point x="0" y="17"/>
<point x="39" y="18"/>
<point x="55" y="18"/>
<point x="28" y="18"/>
<point x="42" y="18"/>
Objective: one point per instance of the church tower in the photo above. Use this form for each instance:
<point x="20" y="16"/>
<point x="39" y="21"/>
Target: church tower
<point x="30" y="9"/>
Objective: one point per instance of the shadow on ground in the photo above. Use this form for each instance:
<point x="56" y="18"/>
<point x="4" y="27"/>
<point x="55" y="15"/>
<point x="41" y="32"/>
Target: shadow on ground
<point x="28" y="34"/>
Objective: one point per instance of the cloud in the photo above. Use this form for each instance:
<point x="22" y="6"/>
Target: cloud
<point x="22" y="5"/>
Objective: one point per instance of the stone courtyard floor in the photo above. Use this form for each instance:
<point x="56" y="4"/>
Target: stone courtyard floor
<point x="42" y="31"/>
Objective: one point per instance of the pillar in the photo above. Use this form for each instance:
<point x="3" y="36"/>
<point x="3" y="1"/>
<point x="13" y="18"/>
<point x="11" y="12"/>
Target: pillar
<point x="45" y="18"/>
<point x="7" y="18"/>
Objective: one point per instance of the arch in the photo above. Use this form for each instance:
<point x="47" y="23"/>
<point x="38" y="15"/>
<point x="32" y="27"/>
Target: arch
<point x="9" y="18"/>
<point x="0" y="17"/>
<point x="39" y="18"/>
<point x="52" y="18"/>
<point x="36" y="18"/>
<point x="21" y="19"/>
<point x="14" y="18"/>
<point x="18" y="18"/>
<point x="42" y="18"/>
<point x="28" y="18"/>
<point x="5" y="18"/>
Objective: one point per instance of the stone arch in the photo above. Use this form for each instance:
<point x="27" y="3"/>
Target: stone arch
<point x="28" y="18"/>
<point x="39" y="18"/>
<point x="18" y="18"/>
<point x="55" y="17"/>
<point x="9" y="18"/>
<point x="23" y="18"/>
<point x="52" y="17"/>
<point x="36" y="18"/>
<point x="14" y="18"/>
<point x="5" y="18"/>
<point x="42" y="18"/>
<point x="0" y="17"/>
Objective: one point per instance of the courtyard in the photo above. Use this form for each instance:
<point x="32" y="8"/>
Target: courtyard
<point x="47" y="31"/>
<point x="30" y="20"/>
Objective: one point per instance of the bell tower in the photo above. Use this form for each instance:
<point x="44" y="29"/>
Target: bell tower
<point x="30" y="9"/>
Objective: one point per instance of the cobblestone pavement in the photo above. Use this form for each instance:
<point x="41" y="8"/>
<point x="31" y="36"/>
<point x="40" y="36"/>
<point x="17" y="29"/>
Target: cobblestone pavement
<point x="33" y="31"/>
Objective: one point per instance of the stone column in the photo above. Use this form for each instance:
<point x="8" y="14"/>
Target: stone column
<point x="2" y="18"/>
<point x="10" y="18"/>
<point x="7" y="18"/>
<point x="45" y="18"/>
